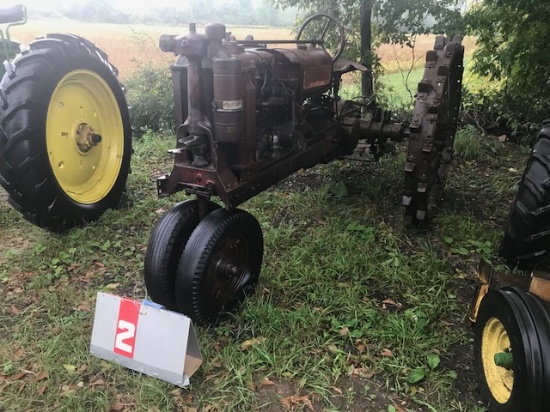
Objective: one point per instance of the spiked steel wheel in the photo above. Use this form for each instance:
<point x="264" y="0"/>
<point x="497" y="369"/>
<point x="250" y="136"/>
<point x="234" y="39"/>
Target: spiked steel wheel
<point x="220" y="265"/>
<point x="166" y="244"/>
<point x="432" y="129"/>
<point x="65" y="137"/>
<point x="527" y="235"/>
<point x="511" y="351"/>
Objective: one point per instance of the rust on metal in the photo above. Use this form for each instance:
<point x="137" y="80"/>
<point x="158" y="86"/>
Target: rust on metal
<point x="248" y="116"/>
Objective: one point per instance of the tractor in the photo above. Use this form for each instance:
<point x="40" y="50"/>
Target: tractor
<point x="65" y="136"/>
<point x="11" y="16"/>
<point x="247" y="116"/>
<point x="511" y="312"/>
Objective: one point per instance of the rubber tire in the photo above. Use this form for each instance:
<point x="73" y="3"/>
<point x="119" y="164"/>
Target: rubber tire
<point x="25" y="171"/>
<point x="527" y="235"/>
<point x="166" y="244"/>
<point x="204" y="243"/>
<point x="541" y="318"/>
<point x="513" y="313"/>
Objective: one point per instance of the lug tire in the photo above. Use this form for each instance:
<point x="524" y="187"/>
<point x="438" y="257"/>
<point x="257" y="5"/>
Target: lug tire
<point x="527" y="235"/>
<point x="60" y="88"/>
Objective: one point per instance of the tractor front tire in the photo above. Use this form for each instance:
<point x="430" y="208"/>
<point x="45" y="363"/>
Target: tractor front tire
<point x="65" y="136"/>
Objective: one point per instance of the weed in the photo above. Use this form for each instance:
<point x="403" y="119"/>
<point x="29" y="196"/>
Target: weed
<point x="467" y="143"/>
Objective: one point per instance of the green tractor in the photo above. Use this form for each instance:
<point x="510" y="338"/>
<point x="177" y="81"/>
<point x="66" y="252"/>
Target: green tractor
<point x="11" y="16"/>
<point x="65" y="136"/>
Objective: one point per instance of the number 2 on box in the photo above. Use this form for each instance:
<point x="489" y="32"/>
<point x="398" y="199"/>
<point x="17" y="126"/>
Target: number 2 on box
<point x="125" y="337"/>
<point x="128" y="331"/>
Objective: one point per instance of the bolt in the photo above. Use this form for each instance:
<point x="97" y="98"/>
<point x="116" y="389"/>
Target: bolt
<point x="231" y="270"/>
<point x="95" y="138"/>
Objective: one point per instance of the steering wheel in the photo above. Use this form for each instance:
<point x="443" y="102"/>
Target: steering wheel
<point x="326" y="31"/>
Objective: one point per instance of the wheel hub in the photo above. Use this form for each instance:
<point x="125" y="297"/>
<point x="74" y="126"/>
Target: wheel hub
<point x="86" y="138"/>
<point x="226" y="268"/>
<point x="497" y="360"/>
<point x="228" y="274"/>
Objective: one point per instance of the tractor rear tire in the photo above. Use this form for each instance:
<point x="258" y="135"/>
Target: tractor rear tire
<point x="65" y="136"/>
<point x="527" y="235"/>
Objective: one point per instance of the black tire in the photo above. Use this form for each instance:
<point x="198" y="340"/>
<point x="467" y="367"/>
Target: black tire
<point x="166" y="244"/>
<point x="432" y="130"/>
<point x="527" y="234"/>
<point x="220" y="265"/>
<point x="62" y="88"/>
<point x="506" y="323"/>
<point x="541" y="319"/>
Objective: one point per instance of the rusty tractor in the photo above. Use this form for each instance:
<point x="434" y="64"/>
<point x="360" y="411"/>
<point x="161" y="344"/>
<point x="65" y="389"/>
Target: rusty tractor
<point x="248" y="115"/>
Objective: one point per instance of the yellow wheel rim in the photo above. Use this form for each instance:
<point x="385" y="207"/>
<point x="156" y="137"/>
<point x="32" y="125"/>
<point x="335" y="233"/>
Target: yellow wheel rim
<point x="499" y="379"/>
<point x="82" y="108"/>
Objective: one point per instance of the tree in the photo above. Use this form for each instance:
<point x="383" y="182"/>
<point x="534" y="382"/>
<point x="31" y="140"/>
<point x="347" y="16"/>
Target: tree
<point x="97" y="11"/>
<point x="381" y="20"/>
<point x="514" y="47"/>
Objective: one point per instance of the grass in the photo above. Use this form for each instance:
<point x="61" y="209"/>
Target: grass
<point x="353" y="310"/>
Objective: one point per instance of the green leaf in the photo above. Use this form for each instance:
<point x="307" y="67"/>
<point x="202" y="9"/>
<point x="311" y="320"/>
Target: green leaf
<point x="365" y="232"/>
<point x="338" y="189"/>
<point x="69" y="368"/>
<point x="448" y="240"/>
<point x="433" y="360"/>
<point x="452" y="374"/>
<point x="8" y="367"/>
<point x="39" y="248"/>
<point x="391" y="408"/>
<point x="416" y="375"/>
<point x="460" y="251"/>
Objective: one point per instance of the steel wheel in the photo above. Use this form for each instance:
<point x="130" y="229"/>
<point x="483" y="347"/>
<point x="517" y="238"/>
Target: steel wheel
<point x="511" y="352"/>
<point x="166" y="244"/>
<point x="84" y="136"/>
<point x="220" y="265"/>
<point x="433" y="128"/>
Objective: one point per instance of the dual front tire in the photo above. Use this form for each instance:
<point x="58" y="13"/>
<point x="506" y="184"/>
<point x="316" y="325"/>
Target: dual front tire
<point x="203" y="267"/>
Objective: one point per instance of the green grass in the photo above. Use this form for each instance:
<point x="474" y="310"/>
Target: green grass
<point x="353" y="311"/>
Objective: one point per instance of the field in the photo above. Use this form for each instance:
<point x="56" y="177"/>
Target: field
<point x="354" y="311"/>
<point x="129" y="46"/>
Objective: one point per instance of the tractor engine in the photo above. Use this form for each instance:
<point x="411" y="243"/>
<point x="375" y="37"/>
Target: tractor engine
<point x="240" y="106"/>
